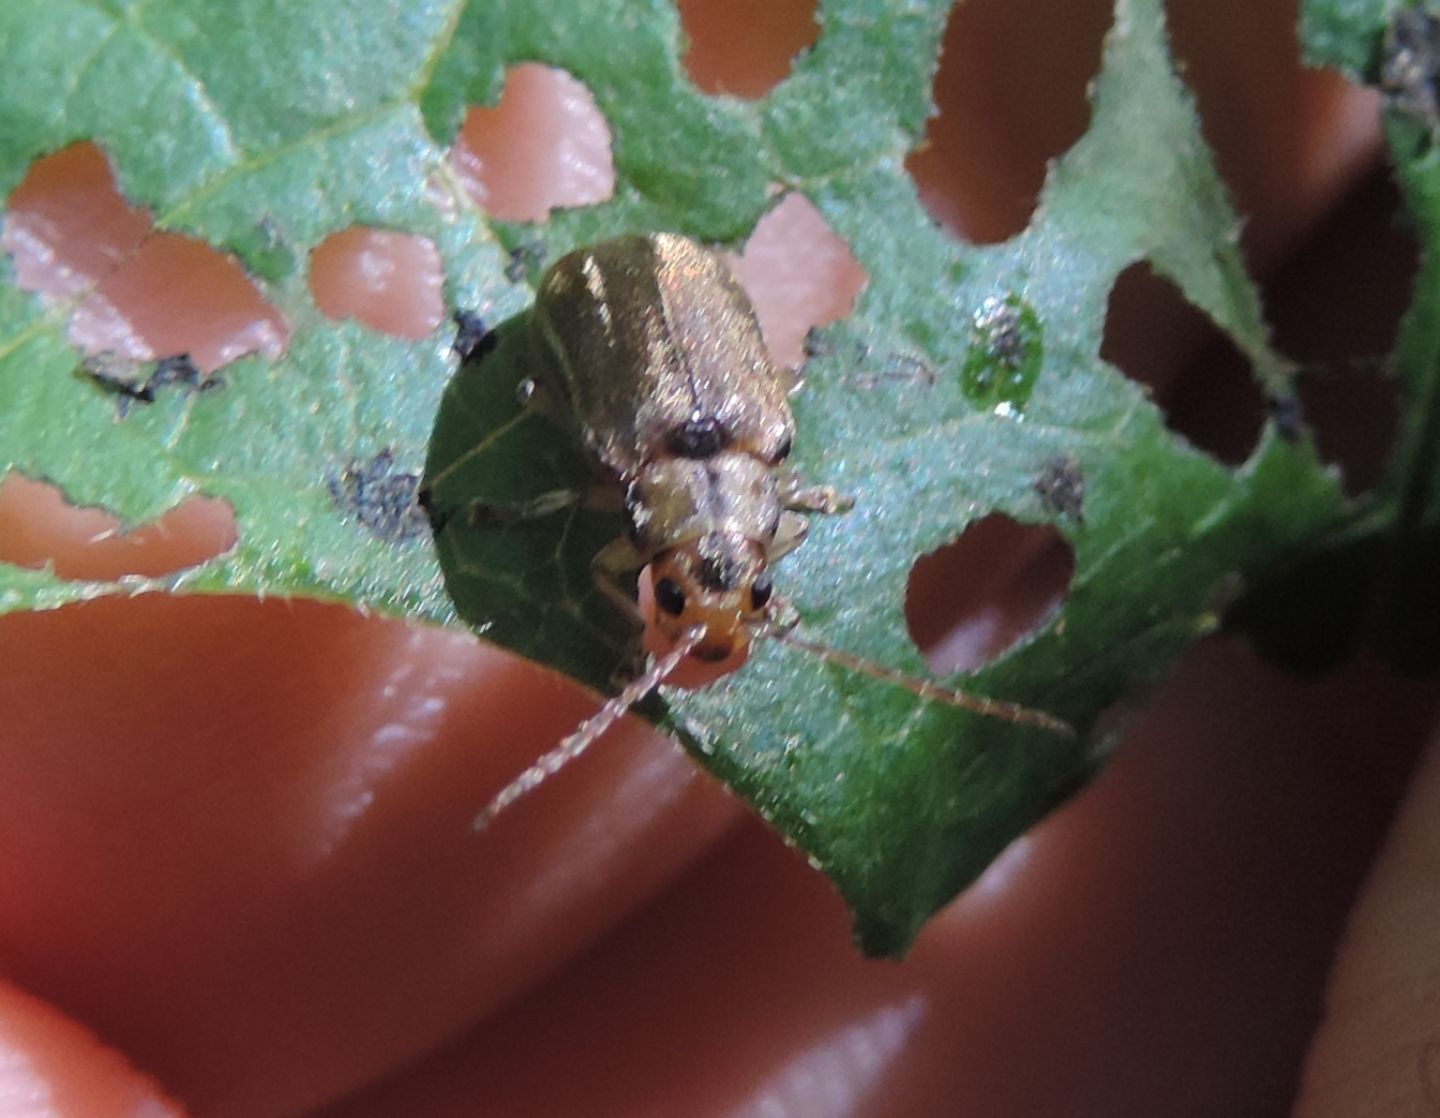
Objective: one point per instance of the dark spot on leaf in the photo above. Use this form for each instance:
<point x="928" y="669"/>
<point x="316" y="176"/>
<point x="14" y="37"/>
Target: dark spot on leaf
<point x="384" y="501"/>
<point x="972" y="600"/>
<point x="437" y="516"/>
<point x="720" y="61"/>
<point x="1191" y="369"/>
<point x="1007" y="350"/>
<point x="524" y="260"/>
<point x="817" y="343"/>
<point x="178" y="371"/>
<point x="1061" y="486"/>
<point x="473" y="338"/>
<point x="1288" y="415"/>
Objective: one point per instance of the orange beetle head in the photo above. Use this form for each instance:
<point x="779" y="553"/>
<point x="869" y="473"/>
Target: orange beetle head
<point x="719" y="581"/>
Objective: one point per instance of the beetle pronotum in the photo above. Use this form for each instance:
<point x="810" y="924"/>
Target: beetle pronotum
<point x="652" y="350"/>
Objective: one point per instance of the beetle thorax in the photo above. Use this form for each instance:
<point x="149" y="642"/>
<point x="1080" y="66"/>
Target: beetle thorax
<point x="676" y="500"/>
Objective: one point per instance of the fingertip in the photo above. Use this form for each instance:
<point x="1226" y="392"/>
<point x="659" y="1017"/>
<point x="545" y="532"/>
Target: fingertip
<point x="1376" y="1050"/>
<point x="52" y="1067"/>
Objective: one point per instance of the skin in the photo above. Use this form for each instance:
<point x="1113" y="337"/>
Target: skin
<point x="234" y="844"/>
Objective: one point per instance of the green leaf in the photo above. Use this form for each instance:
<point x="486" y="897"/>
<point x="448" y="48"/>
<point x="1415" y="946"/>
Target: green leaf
<point x="264" y="127"/>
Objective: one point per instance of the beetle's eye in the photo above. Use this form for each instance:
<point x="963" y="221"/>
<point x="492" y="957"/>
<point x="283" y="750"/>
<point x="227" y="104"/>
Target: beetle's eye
<point x="669" y="596"/>
<point x="760" y="591"/>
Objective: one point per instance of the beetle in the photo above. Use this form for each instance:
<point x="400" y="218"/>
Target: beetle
<point x="653" y="349"/>
<point x="649" y="349"/>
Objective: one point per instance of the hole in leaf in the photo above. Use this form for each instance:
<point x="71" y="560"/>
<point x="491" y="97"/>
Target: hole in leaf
<point x="970" y="601"/>
<point x="1278" y="129"/>
<point x="750" y="65"/>
<point x="179" y="295"/>
<point x="150" y="294"/>
<point x="1010" y="95"/>
<point x="66" y="224"/>
<point x="546" y="145"/>
<point x="388" y="281"/>
<point x="1353" y="410"/>
<point x="799" y="274"/>
<point x="38" y="527"/>
<point x="1196" y="375"/>
<point x="1336" y="305"/>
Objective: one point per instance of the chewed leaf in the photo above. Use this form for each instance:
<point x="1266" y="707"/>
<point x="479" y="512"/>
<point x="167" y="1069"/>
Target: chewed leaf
<point x="966" y="384"/>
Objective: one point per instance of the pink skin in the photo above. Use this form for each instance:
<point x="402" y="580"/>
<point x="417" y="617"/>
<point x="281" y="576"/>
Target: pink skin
<point x="234" y="836"/>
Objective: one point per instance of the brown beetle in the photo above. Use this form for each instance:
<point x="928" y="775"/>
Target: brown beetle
<point x="649" y="348"/>
<point x="656" y="353"/>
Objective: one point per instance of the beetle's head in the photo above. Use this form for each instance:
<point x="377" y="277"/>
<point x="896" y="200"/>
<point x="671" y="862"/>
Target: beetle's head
<point x="719" y="581"/>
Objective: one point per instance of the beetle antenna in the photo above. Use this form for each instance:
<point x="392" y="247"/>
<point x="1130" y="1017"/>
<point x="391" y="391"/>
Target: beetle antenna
<point x="590" y="731"/>
<point x="925" y="689"/>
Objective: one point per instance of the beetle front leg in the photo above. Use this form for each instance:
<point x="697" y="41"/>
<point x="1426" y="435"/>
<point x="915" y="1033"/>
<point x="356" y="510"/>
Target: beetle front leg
<point x="781" y="617"/>
<point x="613" y="562"/>
<point x="789" y="536"/>
<point x="596" y="498"/>
<point x="490" y="514"/>
<point x="814" y="498"/>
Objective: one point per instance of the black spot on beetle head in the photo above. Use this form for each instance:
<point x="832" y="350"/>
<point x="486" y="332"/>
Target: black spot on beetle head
<point x="670" y="597"/>
<point x="699" y="437"/>
<point x="719" y="573"/>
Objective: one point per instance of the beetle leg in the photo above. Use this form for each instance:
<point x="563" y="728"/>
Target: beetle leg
<point x="789" y="536"/>
<point x="485" y="514"/>
<point x="604" y="497"/>
<point x="814" y="498"/>
<point x="613" y="562"/>
<point x="781" y="617"/>
<point x="596" y="498"/>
